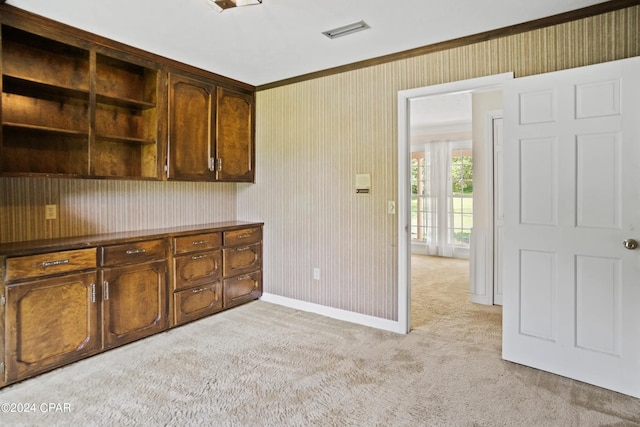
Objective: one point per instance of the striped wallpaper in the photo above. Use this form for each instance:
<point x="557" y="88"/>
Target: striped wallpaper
<point x="312" y="138"/>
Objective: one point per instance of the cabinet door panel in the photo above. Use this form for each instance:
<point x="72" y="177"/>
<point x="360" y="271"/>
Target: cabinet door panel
<point x="241" y="289"/>
<point x="242" y="260"/>
<point x="198" y="302"/>
<point x="51" y="322"/>
<point x="135" y="303"/>
<point x="190" y="118"/>
<point x="234" y="136"/>
<point x="193" y="269"/>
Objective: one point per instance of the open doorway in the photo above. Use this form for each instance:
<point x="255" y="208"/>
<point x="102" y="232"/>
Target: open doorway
<point x="439" y="225"/>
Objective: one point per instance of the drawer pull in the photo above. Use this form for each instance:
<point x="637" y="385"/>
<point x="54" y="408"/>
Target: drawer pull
<point x="243" y="236"/>
<point x="57" y="262"/>
<point x="135" y="251"/>
<point x="197" y="291"/>
<point x="243" y="278"/>
<point x="199" y="242"/>
<point x="198" y="257"/>
<point x="246" y="248"/>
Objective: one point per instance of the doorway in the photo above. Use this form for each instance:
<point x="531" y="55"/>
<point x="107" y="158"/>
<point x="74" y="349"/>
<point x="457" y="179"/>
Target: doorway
<point x="405" y="98"/>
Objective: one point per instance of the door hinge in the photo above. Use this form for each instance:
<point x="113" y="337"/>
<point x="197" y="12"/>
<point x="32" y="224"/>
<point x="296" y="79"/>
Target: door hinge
<point x="219" y="164"/>
<point x="212" y="164"/>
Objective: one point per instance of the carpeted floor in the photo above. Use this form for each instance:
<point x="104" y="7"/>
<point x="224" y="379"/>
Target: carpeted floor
<point x="440" y="302"/>
<point x="265" y="365"/>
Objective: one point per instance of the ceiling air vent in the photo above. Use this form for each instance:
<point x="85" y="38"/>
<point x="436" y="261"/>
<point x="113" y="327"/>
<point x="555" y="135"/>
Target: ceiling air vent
<point x="346" y="30"/>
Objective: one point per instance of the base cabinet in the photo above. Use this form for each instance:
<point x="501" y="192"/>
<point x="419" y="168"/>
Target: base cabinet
<point x="135" y="303"/>
<point x="61" y="302"/>
<point x="51" y="322"/>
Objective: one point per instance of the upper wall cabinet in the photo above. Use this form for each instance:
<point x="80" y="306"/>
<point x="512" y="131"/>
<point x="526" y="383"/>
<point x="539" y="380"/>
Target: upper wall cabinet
<point x="77" y="105"/>
<point x="210" y="132"/>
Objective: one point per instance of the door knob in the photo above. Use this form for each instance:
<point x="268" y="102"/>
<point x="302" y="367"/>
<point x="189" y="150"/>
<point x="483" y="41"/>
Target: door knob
<point x="630" y="244"/>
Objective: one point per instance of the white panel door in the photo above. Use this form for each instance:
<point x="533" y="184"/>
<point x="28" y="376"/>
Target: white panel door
<point x="571" y="197"/>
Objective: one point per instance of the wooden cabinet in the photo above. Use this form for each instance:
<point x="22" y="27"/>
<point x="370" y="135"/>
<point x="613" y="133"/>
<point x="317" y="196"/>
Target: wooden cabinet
<point x="235" y="149"/>
<point x="77" y="105"/>
<point x="242" y="266"/>
<point x="126" y="120"/>
<point x="45" y="106"/>
<point x="197" y="276"/>
<point x="210" y="132"/>
<point x="134" y="287"/>
<point x="51" y="319"/>
<point x="62" y="300"/>
<point x="191" y="118"/>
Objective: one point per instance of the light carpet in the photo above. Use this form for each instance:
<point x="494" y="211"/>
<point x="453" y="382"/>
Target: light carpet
<point x="265" y="365"/>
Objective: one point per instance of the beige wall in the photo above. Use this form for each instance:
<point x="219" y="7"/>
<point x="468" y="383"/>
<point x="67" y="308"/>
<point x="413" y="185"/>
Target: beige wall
<point x="312" y="138"/>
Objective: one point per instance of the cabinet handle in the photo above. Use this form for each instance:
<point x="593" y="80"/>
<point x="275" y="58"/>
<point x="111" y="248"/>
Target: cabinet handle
<point x="197" y="291"/>
<point x="199" y="242"/>
<point x="106" y="291"/>
<point x="57" y="262"/>
<point x="93" y="292"/>
<point x="198" y="257"/>
<point x="136" y="251"/>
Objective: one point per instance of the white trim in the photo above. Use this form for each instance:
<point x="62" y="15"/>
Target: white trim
<point x="334" y="313"/>
<point x="404" y="187"/>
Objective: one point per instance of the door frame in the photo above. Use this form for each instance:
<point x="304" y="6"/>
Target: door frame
<point x="404" y="189"/>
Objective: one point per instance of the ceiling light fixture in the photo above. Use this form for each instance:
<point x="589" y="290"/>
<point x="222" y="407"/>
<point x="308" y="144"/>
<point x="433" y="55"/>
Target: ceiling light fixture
<point x="221" y="5"/>
<point x="346" y="30"/>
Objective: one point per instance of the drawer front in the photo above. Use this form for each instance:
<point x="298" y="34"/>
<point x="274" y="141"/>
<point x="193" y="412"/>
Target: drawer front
<point x="191" y="304"/>
<point x="191" y="270"/>
<point x="244" y="259"/>
<point x="32" y="266"/>
<point x="197" y="242"/>
<point x="245" y="236"/>
<point x="241" y="289"/>
<point x="130" y="253"/>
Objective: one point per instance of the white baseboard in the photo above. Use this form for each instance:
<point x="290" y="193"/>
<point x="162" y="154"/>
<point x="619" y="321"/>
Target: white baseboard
<point x="335" y="313"/>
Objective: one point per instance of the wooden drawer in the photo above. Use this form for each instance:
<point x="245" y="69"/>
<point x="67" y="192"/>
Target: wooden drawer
<point x="192" y="304"/>
<point x="32" y="266"/>
<point x="241" y="289"/>
<point x="243" y="259"/>
<point x="197" y="242"/>
<point x="130" y="253"/>
<point x="190" y="270"/>
<point x="245" y="236"/>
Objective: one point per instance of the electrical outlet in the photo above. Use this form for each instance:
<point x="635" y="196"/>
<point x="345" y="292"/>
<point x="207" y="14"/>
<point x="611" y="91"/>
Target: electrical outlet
<point x="51" y="211"/>
<point x="316" y="274"/>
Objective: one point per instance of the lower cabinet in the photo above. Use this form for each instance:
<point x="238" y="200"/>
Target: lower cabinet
<point x="192" y="304"/>
<point x="67" y="302"/>
<point x="51" y="322"/>
<point x="134" y="302"/>
<point x="134" y="290"/>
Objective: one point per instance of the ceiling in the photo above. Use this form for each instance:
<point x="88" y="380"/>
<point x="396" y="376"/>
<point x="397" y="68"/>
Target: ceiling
<point x="281" y="39"/>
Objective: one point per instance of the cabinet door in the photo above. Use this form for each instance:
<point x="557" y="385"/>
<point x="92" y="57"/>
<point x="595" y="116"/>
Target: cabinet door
<point x="235" y="151"/>
<point x="135" y="302"/>
<point x="51" y="322"/>
<point x="192" y="304"/>
<point x="190" y="123"/>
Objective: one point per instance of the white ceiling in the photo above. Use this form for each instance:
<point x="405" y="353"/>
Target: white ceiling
<point x="280" y="39"/>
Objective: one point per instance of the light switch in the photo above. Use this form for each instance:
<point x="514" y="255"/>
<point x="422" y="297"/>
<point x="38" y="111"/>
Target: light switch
<point x="363" y="183"/>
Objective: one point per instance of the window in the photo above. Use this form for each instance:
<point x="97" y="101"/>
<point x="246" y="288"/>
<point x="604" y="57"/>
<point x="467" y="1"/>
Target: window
<point x="442" y="194"/>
